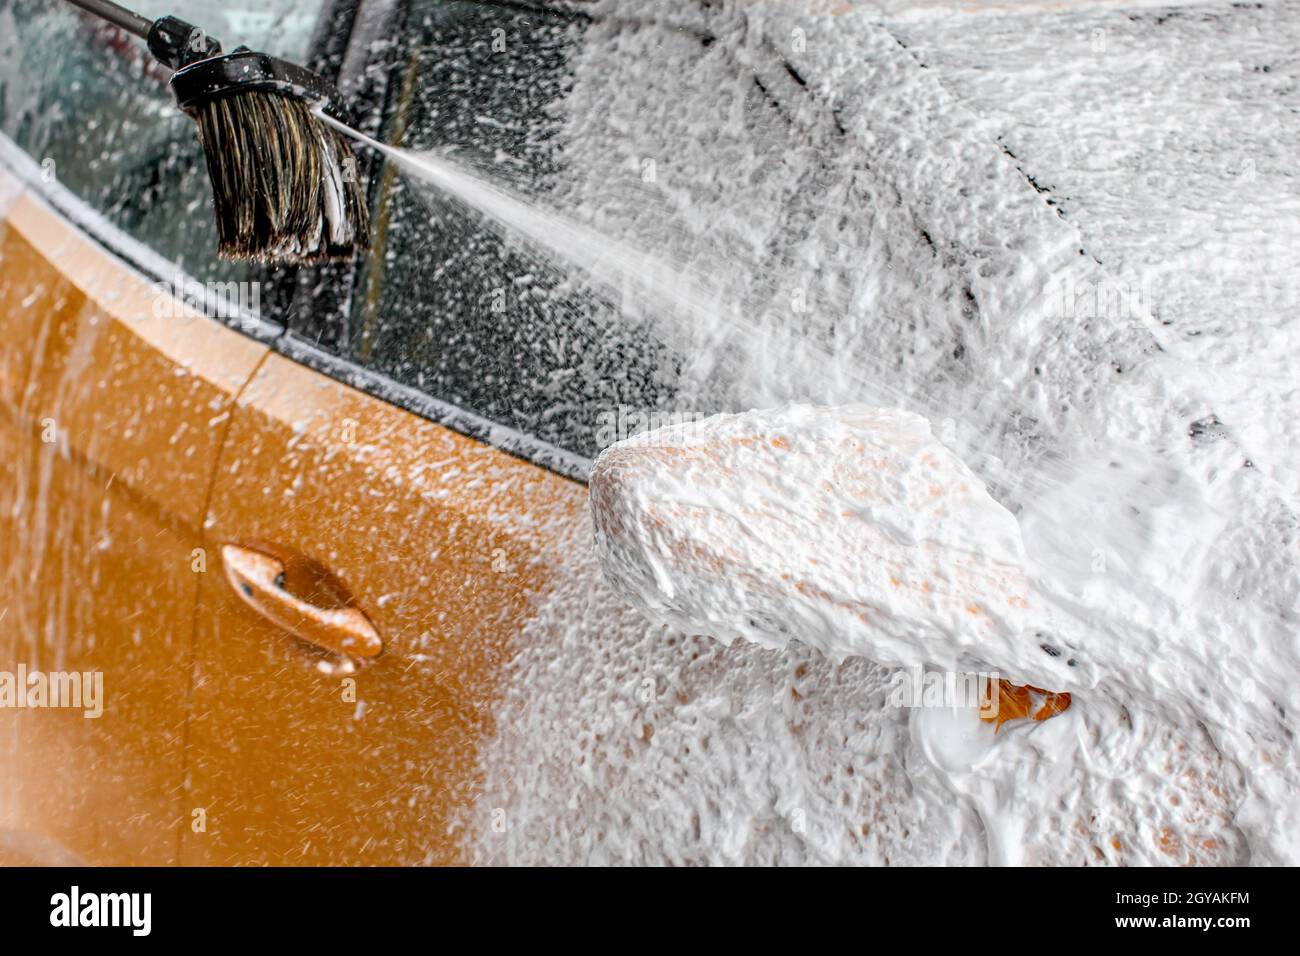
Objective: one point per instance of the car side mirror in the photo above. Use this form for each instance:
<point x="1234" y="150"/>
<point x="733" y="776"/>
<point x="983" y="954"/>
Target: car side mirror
<point x="851" y="529"/>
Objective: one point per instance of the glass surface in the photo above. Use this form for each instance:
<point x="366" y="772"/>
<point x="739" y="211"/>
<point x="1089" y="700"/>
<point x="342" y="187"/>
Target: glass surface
<point x="447" y="303"/>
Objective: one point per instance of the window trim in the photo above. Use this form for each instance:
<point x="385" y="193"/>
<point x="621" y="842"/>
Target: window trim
<point x="504" y="438"/>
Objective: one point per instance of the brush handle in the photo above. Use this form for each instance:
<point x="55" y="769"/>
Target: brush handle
<point x="116" y="15"/>
<point x="173" y="42"/>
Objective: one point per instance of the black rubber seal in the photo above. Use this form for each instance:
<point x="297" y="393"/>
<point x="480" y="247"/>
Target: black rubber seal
<point x="245" y="71"/>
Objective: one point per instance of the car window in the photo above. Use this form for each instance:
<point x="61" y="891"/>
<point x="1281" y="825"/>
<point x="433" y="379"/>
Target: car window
<point x="762" y="257"/>
<point x="90" y="106"/>
<point x="444" y="304"/>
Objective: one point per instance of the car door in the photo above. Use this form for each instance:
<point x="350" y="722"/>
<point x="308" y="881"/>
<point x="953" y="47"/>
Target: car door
<point x="344" y="495"/>
<point x="108" y="443"/>
<point x="329" y="500"/>
<point x="118" y="369"/>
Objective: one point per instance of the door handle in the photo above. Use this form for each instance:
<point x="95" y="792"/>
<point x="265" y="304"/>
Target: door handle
<point x="256" y="579"/>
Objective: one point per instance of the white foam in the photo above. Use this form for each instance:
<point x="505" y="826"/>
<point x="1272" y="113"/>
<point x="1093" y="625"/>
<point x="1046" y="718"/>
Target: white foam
<point x="932" y="271"/>
<point x="851" y="530"/>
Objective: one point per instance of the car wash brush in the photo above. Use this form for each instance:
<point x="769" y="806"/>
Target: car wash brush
<point x="284" y="184"/>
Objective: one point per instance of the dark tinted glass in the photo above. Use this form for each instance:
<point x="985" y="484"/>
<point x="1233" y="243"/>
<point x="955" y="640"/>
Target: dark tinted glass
<point x="446" y="304"/>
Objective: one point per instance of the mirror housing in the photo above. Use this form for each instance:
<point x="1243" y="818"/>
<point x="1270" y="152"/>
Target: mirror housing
<point x="851" y="529"/>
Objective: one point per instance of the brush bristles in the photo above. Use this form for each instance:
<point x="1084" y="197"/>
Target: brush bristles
<point x="285" y="185"/>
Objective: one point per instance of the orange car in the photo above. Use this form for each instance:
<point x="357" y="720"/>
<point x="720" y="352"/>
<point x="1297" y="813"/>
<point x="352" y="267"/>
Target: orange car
<point x="298" y="560"/>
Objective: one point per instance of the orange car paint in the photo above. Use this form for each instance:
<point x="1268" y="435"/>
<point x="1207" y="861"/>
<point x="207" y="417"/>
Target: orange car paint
<point x="101" y="502"/>
<point x="226" y="738"/>
<point x="295" y="758"/>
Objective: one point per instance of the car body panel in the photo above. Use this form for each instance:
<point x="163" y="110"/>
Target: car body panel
<point x="102" y="494"/>
<point x="299" y="756"/>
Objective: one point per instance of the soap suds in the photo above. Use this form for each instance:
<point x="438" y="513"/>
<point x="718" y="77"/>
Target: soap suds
<point x="623" y="743"/>
<point x="852" y="530"/>
<point x="930" y="263"/>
